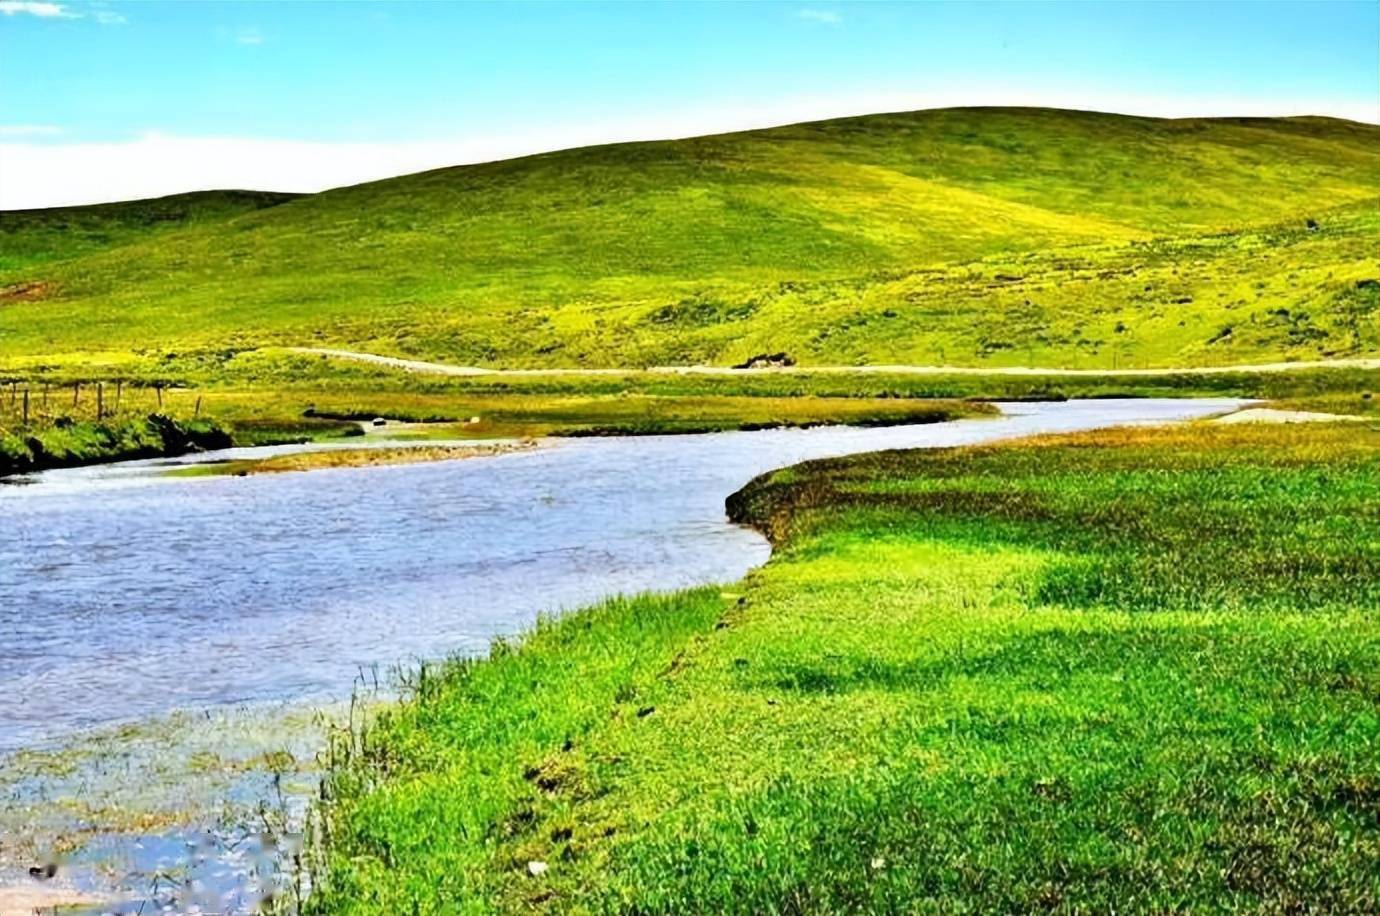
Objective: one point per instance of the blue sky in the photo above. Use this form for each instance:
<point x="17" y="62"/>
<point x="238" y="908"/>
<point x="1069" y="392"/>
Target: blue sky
<point x="393" y="86"/>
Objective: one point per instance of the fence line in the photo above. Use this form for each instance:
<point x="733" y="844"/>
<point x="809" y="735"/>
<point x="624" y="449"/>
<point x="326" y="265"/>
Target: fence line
<point x="24" y="403"/>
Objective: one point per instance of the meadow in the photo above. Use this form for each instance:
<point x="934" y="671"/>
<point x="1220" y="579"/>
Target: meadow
<point x="1130" y="670"/>
<point x="966" y="237"/>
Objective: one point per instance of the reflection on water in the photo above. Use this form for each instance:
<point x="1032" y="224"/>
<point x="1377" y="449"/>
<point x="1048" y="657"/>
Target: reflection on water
<point x="125" y="595"/>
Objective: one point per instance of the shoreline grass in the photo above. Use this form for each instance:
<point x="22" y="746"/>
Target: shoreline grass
<point x="66" y="443"/>
<point x="1129" y="670"/>
<point x="267" y="397"/>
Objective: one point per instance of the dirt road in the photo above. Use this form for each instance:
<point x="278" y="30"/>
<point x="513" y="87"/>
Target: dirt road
<point x="417" y="365"/>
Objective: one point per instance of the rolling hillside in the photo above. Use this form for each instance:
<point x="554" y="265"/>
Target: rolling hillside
<point x="983" y="237"/>
<point x="32" y="237"/>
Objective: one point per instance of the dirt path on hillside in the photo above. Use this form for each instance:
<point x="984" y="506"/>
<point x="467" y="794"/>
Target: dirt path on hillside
<point x="417" y="365"/>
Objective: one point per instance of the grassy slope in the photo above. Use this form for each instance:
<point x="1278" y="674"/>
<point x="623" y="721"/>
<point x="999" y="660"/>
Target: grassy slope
<point x="29" y="238"/>
<point x="1131" y="670"/>
<point x="996" y="236"/>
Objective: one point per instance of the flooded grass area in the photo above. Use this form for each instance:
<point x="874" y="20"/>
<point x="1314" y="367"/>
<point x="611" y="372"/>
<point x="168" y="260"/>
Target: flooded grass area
<point x="197" y="811"/>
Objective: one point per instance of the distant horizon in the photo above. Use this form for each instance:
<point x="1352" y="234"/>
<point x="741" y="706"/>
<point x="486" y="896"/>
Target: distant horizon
<point x="103" y="101"/>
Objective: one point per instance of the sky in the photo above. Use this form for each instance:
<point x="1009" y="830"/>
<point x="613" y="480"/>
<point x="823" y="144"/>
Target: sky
<point x="119" y="100"/>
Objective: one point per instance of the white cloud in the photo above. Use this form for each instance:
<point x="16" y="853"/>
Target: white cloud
<point x="41" y="9"/>
<point x="47" y="174"/>
<point x="823" y="17"/>
<point x="249" y="37"/>
<point x="47" y="10"/>
<point x="29" y="130"/>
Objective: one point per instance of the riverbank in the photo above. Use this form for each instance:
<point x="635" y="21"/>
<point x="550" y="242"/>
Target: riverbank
<point x="1107" y="670"/>
<point x="68" y="443"/>
<point x="276" y="397"/>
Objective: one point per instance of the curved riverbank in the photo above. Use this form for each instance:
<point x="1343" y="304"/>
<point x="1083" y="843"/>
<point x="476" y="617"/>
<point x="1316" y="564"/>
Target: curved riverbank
<point x="1063" y="672"/>
<point x="320" y="576"/>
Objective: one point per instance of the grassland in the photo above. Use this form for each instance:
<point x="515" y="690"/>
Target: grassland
<point x="32" y="237"/>
<point x="1118" y="671"/>
<point x="1128" y="670"/>
<point x="971" y="237"/>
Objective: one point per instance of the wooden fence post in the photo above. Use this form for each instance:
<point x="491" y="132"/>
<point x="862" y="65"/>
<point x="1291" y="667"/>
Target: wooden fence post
<point x="197" y="411"/>
<point x="26" y="406"/>
<point x="100" y="401"/>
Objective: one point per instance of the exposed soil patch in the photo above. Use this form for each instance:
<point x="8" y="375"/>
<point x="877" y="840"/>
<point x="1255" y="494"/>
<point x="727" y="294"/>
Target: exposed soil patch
<point x="24" y="292"/>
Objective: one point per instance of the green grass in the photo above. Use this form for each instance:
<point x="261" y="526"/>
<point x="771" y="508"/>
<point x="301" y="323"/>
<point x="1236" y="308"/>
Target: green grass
<point x="66" y="443"/>
<point x="33" y="237"/>
<point x="967" y="236"/>
<point x="262" y="398"/>
<point x="1129" y="671"/>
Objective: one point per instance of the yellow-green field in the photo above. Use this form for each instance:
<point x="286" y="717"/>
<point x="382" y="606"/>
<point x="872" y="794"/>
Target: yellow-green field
<point x="972" y="237"/>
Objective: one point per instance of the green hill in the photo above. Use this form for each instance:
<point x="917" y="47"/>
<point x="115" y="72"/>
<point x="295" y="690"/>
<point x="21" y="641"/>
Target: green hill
<point x="30" y="237"/>
<point x="965" y="236"/>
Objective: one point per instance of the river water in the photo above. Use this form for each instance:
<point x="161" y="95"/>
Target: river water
<point x="125" y="594"/>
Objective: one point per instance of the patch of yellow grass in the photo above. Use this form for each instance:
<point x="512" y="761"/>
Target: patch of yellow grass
<point x="360" y="457"/>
